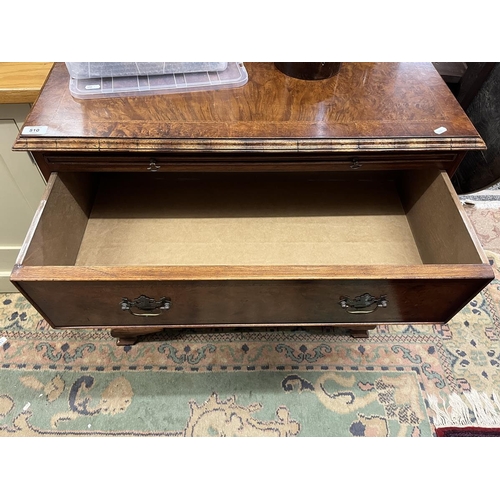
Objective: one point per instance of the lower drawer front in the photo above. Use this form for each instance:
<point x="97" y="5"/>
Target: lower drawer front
<point x="250" y="302"/>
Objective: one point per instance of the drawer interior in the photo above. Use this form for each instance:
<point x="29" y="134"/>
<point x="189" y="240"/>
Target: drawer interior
<point x="341" y="218"/>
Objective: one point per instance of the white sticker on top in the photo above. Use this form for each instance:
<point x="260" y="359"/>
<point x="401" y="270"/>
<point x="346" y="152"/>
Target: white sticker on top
<point x="35" y="130"/>
<point x="440" y="130"/>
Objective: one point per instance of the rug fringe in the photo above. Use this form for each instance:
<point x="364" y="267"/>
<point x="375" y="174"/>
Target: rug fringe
<point x="483" y="408"/>
<point x="457" y="413"/>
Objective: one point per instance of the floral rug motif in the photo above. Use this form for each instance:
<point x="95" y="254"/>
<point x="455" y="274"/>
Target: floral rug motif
<point x="486" y="222"/>
<point x="401" y="381"/>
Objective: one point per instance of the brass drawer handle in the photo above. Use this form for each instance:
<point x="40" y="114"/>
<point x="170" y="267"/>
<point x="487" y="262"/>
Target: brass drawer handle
<point x="355" y="164"/>
<point x="153" y="167"/>
<point x="360" y="304"/>
<point x="144" y="303"/>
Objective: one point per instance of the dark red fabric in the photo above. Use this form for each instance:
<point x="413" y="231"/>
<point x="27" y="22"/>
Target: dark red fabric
<point x="467" y="432"/>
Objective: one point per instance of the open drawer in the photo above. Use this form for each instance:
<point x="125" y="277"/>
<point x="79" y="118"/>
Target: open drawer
<point x="140" y="249"/>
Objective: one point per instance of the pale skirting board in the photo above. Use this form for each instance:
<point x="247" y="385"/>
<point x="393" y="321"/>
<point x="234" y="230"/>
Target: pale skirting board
<point x="457" y="413"/>
<point x="5" y="284"/>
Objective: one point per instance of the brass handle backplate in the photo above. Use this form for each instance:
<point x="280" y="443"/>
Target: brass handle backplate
<point x="355" y="164"/>
<point x="143" y="303"/>
<point x="153" y="167"/>
<point x="363" y="304"/>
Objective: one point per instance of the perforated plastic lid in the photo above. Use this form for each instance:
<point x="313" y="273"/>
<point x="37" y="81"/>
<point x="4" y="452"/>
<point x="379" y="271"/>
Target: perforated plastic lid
<point x="235" y="75"/>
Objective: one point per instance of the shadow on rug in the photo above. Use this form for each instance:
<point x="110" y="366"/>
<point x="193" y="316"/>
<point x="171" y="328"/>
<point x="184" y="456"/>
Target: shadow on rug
<point x="402" y="381"/>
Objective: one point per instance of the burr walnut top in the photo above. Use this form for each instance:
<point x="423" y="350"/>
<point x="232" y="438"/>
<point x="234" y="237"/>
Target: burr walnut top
<point x="365" y="107"/>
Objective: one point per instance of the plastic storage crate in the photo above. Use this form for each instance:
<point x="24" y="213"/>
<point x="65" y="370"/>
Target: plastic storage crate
<point x="82" y="70"/>
<point x="235" y="75"/>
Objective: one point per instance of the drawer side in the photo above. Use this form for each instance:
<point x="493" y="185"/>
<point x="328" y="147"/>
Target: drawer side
<point x="440" y="226"/>
<point x="59" y="224"/>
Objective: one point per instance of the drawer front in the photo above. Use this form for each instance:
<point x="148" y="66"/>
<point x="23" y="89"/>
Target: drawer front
<point x="210" y="162"/>
<point x="250" y="302"/>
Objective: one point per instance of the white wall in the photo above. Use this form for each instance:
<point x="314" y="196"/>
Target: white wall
<point x="21" y="188"/>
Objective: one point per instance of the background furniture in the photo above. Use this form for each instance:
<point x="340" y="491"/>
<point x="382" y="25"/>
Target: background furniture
<point x="476" y="85"/>
<point x="481" y="169"/>
<point x="464" y="79"/>
<point x="21" y="184"/>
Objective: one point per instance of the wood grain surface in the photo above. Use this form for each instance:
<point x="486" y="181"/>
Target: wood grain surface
<point x="21" y="82"/>
<point x="365" y="107"/>
<point x="202" y="303"/>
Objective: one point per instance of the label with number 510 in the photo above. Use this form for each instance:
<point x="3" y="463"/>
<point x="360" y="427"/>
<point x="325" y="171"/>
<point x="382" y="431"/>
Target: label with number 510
<point x="35" y="130"/>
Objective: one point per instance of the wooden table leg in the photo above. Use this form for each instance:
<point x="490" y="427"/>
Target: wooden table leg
<point x="361" y="332"/>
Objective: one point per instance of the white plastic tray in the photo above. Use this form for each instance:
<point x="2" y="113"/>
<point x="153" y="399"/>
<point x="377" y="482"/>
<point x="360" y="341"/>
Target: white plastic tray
<point x="235" y="75"/>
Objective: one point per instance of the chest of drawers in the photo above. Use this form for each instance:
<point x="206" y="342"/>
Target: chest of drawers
<point x="283" y="202"/>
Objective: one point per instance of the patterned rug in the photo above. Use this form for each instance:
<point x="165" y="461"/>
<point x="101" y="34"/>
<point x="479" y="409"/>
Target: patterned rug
<point x="402" y="381"/>
<point x="485" y="217"/>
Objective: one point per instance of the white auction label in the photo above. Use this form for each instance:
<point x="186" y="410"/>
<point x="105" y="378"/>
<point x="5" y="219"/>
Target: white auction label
<point x="35" y="130"/>
<point x="440" y="130"/>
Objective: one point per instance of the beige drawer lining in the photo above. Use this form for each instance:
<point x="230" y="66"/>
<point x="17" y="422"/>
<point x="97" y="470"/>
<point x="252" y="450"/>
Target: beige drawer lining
<point x="200" y="223"/>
